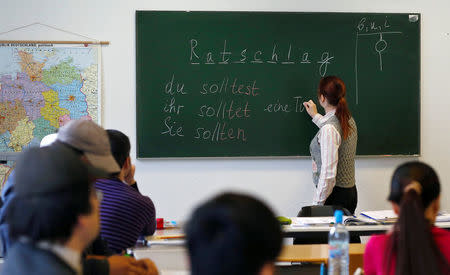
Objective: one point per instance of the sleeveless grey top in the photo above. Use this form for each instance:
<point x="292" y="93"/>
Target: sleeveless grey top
<point x="345" y="176"/>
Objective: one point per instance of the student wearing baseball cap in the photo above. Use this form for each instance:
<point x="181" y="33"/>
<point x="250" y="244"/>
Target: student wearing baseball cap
<point x="91" y="144"/>
<point x="92" y="140"/>
<point x="54" y="215"/>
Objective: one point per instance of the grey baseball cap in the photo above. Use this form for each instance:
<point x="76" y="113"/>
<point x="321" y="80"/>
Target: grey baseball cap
<point x="87" y="136"/>
<point x="52" y="169"/>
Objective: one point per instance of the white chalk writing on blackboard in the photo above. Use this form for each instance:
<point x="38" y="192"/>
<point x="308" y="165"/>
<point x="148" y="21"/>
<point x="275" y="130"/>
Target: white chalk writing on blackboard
<point x="279" y="55"/>
<point x="379" y="28"/>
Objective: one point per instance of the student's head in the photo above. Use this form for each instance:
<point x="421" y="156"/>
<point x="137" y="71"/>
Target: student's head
<point x="90" y="139"/>
<point x="55" y="199"/>
<point x="120" y="146"/>
<point x="331" y="91"/>
<point x="414" y="195"/>
<point x="416" y="181"/>
<point x="120" y="149"/>
<point x="233" y="234"/>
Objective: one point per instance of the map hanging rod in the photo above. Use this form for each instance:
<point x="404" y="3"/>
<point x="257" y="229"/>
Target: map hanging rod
<point x="91" y="40"/>
<point x="53" y="42"/>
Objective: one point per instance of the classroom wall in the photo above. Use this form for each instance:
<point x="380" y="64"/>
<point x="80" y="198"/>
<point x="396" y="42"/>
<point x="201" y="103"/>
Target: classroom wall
<point x="176" y="186"/>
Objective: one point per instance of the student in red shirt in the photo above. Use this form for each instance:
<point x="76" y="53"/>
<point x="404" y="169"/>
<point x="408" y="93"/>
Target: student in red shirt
<point x="415" y="245"/>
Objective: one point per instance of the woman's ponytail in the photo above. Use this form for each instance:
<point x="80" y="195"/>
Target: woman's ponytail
<point x="343" y="115"/>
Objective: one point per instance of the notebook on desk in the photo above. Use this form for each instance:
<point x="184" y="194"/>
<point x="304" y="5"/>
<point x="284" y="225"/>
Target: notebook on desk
<point x="443" y="217"/>
<point x="312" y="221"/>
<point x="328" y="221"/>
<point x="389" y="216"/>
<point x="174" y="272"/>
<point x="382" y="216"/>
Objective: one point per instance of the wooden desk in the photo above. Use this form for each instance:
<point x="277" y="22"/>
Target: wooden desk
<point x="167" y="234"/>
<point x="175" y="258"/>
<point x="292" y="232"/>
<point x="318" y="253"/>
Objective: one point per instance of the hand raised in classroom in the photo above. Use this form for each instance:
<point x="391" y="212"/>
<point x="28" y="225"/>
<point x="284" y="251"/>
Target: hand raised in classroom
<point x="310" y="107"/>
<point x="129" y="177"/>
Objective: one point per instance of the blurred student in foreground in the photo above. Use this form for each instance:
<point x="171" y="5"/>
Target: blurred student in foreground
<point x="415" y="245"/>
<point x="90" y="142"/>
<point x="54" y="215"/>
<point x="233" y="234"/>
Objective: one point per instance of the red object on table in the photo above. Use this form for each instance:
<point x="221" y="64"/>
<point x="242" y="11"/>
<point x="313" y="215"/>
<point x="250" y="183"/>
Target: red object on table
<point x="160" y="223"/>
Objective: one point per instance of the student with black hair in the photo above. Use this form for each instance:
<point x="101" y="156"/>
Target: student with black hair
<point x="54" y="215"/>
<point x="125" y="214"/>
<point x="233" y="234"/>
<point x="91" y="144"/>
<point x="415" y="245"/>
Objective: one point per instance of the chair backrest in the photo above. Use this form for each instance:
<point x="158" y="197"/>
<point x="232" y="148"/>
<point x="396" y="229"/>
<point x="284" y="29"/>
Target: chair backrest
<point x="321" y="211"/>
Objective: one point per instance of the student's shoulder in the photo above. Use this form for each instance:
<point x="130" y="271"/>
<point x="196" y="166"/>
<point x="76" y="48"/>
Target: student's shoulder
<point x="136" y="198"/>
<point x="144" y="201"/>
<point x="25" y="258"/>
<point x="113" y="186"/>
<point x="441" y="234"/>
<point x="374" y="253"/>
<point x="377" y="242"/>
<point x="442" y="239"/>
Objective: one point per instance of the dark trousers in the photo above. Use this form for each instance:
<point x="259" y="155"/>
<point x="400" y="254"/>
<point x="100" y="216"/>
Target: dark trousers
<point x="345" y="197"/>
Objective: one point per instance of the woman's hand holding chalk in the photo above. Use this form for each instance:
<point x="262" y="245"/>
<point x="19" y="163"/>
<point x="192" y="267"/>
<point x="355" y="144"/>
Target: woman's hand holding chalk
<point x="310" y="107"/>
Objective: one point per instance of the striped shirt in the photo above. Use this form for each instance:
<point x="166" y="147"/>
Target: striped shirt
<point x="330" y="140"/>
<point x="125" y="214"/>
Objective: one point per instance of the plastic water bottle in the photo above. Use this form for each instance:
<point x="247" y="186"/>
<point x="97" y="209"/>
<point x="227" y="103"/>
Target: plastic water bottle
<point x="338" y="247"/>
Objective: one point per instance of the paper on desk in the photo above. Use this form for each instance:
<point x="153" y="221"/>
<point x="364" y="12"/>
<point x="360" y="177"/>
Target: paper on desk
<point x="305" y="221"/>
<point x="174" y="272"/>
<point x="324" y="221"/>
<point x="380" y="214"/>
<point x="364" y="219"/>
<point x="166" y="242"/>
<point x="443" y="217"/>
<point x="389" y="214"/>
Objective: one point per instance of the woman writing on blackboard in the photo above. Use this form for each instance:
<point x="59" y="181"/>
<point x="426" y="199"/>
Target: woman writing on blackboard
<point x="333" y="148"/>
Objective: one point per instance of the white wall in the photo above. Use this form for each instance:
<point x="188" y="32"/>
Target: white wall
<point x="176" y="186"/>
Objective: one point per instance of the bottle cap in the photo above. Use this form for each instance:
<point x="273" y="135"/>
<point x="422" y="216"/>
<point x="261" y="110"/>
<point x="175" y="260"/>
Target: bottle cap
<point x="338" y="216"/>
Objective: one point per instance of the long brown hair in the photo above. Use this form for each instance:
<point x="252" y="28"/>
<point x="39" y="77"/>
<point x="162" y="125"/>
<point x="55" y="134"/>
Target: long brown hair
<point x="412" y="241"/>
<point x="333" y="89"/>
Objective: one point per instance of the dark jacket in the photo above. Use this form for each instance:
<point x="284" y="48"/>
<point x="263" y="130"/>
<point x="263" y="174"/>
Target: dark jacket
<point x="27" y="259"/>
<point x="7" y="195"/>
<point x="98" y="247"/>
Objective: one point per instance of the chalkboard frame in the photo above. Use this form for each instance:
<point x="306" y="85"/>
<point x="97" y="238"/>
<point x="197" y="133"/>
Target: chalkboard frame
<point x="414" y="153"/>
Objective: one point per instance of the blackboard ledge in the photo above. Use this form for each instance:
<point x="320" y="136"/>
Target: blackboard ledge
<point x="272" y="157"/>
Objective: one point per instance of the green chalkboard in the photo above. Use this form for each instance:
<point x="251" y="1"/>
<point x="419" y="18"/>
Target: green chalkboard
<point x="225" y="84"/>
